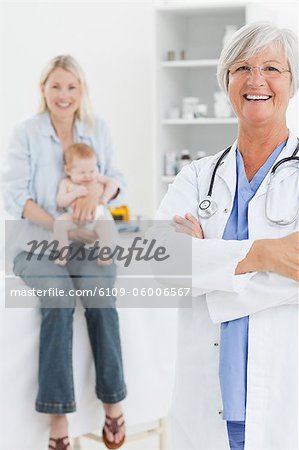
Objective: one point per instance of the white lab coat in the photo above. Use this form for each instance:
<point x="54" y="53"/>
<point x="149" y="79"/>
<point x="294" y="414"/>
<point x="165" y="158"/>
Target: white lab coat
<point x="269" y="300"/>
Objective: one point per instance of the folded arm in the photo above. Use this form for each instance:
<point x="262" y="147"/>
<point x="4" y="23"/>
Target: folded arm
<point x="275" y="282"/>
<point x="238" y="277"/>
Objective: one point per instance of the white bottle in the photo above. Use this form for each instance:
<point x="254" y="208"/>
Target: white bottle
<point x="222" y="106"/>
<point x="170" y="164"/>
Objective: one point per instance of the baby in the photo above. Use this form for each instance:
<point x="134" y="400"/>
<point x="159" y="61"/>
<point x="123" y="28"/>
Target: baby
<point x="80" y="166"/>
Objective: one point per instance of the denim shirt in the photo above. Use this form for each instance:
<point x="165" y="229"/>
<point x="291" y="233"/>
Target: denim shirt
<point x="33" y="166"/>
<point x="234" y="334"/>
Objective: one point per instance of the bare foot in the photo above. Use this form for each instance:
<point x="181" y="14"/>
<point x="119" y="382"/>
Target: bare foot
<point x="60" y="262"/>
<point x="59" y="429"/>
<point x="114" y="410"/>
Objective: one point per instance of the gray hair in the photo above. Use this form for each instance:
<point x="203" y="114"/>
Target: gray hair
<point x="69" y="63"/>
<point x="251" y="39"/>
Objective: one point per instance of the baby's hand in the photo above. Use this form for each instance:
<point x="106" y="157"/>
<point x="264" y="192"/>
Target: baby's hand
<point x="103" y="201"/>
<point x="81" y="191"/>
<point x="189" y="225"/>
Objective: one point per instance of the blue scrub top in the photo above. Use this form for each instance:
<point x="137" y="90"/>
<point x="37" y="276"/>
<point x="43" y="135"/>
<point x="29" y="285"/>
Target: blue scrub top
<point x="234" y="334"/>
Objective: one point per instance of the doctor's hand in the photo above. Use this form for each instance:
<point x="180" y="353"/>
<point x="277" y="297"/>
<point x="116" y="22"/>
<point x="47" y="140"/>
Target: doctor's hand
<point x="283" y="256"/>
<point x="279" y="255"/>
<point x="189" y="225"/>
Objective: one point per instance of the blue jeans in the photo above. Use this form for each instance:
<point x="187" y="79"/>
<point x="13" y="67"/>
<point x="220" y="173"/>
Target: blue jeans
<point x="55" y="378"/>
<point x="236" y="434"/>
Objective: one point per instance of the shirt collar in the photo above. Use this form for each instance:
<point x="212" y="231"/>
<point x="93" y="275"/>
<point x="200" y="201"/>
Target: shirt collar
<point x="81" y="129"/>
<point x="227" y="170"/>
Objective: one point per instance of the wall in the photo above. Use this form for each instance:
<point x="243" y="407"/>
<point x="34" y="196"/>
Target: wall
<point x="114" y="42"/>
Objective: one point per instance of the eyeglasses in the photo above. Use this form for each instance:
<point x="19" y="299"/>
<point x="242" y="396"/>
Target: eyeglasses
<point x="245" y="71"/>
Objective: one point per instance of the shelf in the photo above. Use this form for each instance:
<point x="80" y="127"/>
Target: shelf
<point x="198" y="31"/>
<point x="190" y="63"/>
<point x="202" y="121"/>
<point x="190" y="8"/>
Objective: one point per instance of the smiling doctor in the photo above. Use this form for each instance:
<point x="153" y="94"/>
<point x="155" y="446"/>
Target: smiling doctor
<point x="245" y="256"/>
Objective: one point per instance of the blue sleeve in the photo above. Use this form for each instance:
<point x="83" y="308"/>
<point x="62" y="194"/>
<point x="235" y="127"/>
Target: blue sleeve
<point x="15" y="179"/>
<point x="110" y="168"/>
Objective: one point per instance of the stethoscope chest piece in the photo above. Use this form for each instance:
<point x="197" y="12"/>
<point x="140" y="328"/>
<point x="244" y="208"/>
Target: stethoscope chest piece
<point x="207" y="207"/>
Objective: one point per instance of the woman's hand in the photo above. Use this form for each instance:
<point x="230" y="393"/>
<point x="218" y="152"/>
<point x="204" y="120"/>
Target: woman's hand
<point x="84" y="207"/>
<point x="81" y="191"/>
<point x="273" y="255"/>
<point x="82" y="235"/>
<point x="189" y="225"/>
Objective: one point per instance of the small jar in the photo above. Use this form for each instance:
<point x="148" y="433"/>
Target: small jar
<point x="184" y="160"/>
<point x="188" y="107"/>
<point x="170" y="56"/>
<point x="200" y="110"/>
<point x="183" y="55"/>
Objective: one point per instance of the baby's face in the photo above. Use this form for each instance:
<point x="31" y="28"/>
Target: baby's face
<point x="82" y="171"/>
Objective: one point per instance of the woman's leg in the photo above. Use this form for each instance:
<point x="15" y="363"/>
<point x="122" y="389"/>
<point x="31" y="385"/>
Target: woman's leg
<point x="56" y="390"/>
<point x="114" y="410"/>
<point x="59" y="430"/>
<point x="103" y="329"/>
<point x="236" y="435"/>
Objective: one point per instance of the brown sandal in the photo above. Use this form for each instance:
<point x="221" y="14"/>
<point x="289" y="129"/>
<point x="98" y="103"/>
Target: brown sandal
<point x="59" y="444"/>
<point x="114" y="427"/>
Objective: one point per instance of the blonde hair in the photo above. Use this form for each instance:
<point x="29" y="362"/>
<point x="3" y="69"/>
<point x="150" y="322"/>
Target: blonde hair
<point x="68" y="63"/>
<point x="81" y="151"/>
<point x="253" y="38"/>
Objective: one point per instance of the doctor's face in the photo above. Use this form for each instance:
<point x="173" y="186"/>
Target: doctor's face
<point x="259" y="88"/>
<point x="62" y="93"/>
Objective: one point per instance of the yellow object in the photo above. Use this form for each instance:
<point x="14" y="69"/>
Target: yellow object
<point x="120" y="213"/>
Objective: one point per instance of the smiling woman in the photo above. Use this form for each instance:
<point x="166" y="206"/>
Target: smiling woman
<point x="33" y="171"/>
<point x="260" y="88"/>
<point x="249" y="284"/>
<point x="63" y="76"/>
<point x="259" y="72"/>
<point x="62" y="93"/>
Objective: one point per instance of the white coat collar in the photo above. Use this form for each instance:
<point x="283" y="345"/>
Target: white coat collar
<point x="227" y="170"/>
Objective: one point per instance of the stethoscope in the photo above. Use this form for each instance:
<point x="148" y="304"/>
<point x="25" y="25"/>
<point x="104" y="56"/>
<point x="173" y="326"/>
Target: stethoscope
<point x="207" y="207"/>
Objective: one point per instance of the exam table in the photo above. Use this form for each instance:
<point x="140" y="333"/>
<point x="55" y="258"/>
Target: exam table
<point x="148" y="343"/>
